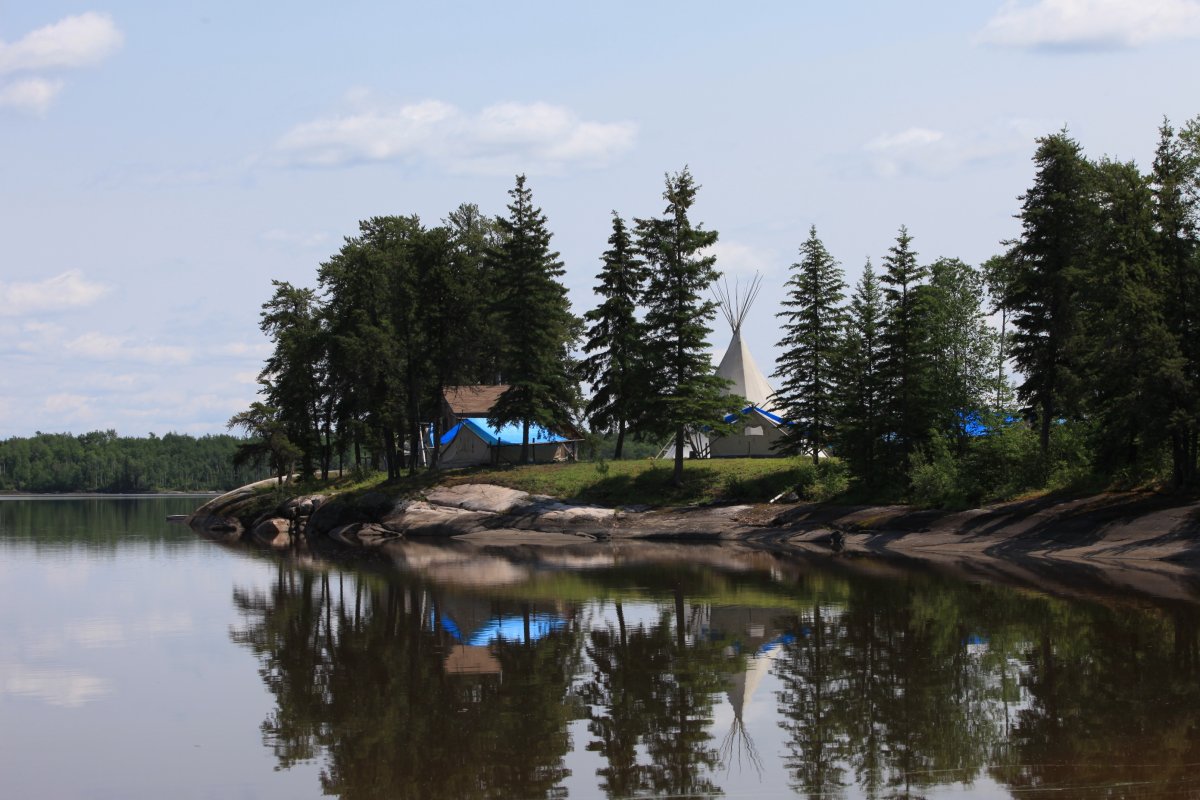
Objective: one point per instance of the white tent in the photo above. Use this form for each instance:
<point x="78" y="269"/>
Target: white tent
<point x="758" y="426"/>
<point x="738" y="365"/>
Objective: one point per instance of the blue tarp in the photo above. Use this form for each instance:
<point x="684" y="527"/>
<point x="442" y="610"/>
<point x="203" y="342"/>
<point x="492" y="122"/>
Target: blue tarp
<point x="776" y="419"/>
<point x="512" y="629"/>
<point x="508" y="435"/>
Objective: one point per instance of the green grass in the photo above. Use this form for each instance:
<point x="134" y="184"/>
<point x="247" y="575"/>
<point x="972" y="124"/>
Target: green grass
<point x="648" y="482"/>
<point x="612" y="483"/>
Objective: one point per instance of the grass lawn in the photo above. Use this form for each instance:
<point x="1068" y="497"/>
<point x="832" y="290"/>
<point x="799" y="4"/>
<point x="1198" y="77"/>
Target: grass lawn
<point x="611" y="483"/>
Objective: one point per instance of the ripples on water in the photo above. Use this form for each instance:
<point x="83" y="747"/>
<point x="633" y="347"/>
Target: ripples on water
<point x="137" y="661"/>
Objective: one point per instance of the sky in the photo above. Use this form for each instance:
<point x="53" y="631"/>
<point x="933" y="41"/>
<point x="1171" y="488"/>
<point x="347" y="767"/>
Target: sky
<point x="163" y="162"/>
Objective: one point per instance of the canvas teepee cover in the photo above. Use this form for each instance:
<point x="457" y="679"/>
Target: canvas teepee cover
<point x="738" y="365"/>
<point x="760" y="428"/>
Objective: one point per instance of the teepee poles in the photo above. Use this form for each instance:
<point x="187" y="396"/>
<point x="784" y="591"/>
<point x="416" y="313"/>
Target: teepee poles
<point x="735" y="305"/>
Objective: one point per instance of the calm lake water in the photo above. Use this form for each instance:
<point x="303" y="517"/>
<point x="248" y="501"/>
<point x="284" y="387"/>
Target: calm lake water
<point x="139" y="661"/>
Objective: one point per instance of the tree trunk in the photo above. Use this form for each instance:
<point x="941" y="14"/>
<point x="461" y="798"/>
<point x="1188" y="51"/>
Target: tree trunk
<point x="620" y="440"/>
<point x="677" y="477"/>
<point x="525" y="441"/>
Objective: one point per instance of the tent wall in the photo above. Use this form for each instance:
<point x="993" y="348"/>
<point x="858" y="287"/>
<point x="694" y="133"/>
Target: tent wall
<point x="465" y="450"/>
<point x="754" y="439"/>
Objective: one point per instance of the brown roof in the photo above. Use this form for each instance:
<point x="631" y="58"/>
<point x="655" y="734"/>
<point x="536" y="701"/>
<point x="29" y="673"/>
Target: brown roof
<point x="473" y="401"/>
<point x="469" y="660"/>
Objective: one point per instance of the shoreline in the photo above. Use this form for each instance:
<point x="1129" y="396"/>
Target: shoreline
<point x="1125" y="542"/>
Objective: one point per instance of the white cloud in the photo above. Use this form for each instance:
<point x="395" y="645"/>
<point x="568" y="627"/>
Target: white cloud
<point x="68" y="290"/>
<point x="1091" y="24"/>
<point x="76" y="41"/>
<point x="735" y="259"/>
<point x="913" y="137"/>
<point x="34" y="95"/>
<point x="935" y="153"/>
<point x="120" y="348"/>
<point x="64" y="688"/>
<point x="501" y="138"/>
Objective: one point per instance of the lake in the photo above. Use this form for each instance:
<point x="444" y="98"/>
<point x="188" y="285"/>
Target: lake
<point x="138" y="660"/>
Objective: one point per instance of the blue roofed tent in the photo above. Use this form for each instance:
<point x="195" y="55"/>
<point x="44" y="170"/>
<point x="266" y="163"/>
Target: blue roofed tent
<point x="473" y="442"/>
<point x="755" y="435"/>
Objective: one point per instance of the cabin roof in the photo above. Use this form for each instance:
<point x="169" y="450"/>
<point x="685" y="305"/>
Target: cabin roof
<point x="473" y="400"/>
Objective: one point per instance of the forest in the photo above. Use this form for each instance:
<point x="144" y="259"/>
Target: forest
<point x="102" y="461"/>
<point x="1070" y="358"/>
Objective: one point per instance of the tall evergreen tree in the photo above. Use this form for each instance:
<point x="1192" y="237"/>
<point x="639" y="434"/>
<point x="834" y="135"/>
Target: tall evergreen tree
<point x="813" y="321"/>
<point x="534" y="316"/>
<point x="1050" y="257"/>
<point x="614" y="340"/>
<point x="1175" y="186"/>
<point x="860" y="430"/>
<point x="293" y="378"/>
<point x="1133" y="364"/>
<point x="905" y="365"/>
<point x="998" y="273"/>
<point x="684" y="391"/>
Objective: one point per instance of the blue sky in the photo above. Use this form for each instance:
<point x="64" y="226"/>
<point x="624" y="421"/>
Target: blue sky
<point x="161" y="164"/>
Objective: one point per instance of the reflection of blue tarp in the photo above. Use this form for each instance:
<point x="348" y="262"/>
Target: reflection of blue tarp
<point x="781" y="639"/>
<point x="508" y="435"/>
<point x="512" y="629"/>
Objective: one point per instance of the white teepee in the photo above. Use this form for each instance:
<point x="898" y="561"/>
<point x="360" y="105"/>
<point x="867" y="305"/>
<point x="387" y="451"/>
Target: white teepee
<point x="738" y="365"/>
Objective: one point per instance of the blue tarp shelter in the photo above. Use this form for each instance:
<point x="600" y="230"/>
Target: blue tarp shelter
<point x="472" y="442"/>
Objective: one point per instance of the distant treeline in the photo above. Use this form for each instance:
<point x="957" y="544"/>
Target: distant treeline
<point x="101" y="461"/>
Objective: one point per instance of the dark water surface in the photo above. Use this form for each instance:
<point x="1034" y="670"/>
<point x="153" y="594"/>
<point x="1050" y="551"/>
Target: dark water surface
<point x="139" y="661"/>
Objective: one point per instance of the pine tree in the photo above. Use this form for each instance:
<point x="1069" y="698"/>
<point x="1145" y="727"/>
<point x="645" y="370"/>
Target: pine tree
<point x="1175" y="185"/>
<point x="614" y="340"/>
<point x="807" y="366"/>
<point x="1050" y="257"/>
<point x="534" y="316"/>
<point x="860" y="432"/>
<point x="683" y="390"/>
<point x="1133" y="364"/>
<point x="905" y="364"/>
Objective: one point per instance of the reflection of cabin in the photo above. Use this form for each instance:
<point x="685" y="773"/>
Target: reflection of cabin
<point x="465" y="659"/>
<point x="470" y="441"/>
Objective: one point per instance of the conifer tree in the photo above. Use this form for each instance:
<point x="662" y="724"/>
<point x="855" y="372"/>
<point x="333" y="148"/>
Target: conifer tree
<point x="534" y="316"/>
<point x="860" y="431"/>
<point x="813" y="321"/>
<point x="1050" y="258"/>
<point x="683" y="389"/>
<point x="1132" y="363"/>
<point x="904" y="368"/>
<point x="615" y="338"/>
<point x="1175" y="186"/>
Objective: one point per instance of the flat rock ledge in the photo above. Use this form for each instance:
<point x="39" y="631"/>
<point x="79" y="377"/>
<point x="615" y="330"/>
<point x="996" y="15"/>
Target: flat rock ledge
<point x="1099" y="530"/>
<point x="478" y="513"/>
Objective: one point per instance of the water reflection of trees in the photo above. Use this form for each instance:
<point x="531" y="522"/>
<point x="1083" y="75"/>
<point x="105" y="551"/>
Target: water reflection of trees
<point x="363" y="681"/>
<point x="912" y="684"/>
<point x="886" y="688"/>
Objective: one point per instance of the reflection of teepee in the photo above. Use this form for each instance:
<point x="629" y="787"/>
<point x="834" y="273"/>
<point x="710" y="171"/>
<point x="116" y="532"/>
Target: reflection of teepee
<point x="738" y="365"/>
<point x="739" y="689"/>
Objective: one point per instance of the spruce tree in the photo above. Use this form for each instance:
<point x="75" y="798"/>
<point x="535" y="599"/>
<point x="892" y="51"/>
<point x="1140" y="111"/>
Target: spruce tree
<point x="615" y="338"/>
<point x="1132" y="363"/>
<point x="534" y="316"/>
<point x="813" y="321"/>
<point x="1175" y="186"/>
<point x="905" y="364"/>
<point x="860" y="430"/>
<point x="683" y="389"/>
<point x="1050" y="259"/>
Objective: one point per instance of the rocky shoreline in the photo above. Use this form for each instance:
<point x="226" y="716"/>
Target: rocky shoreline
<point x="1117" y="528"/>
